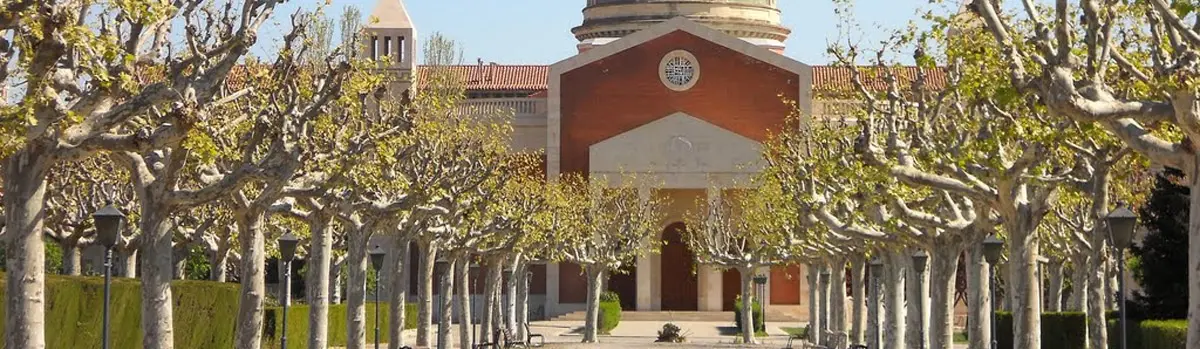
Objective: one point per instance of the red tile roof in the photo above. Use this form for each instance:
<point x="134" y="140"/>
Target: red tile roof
<point x="826" y="79"/>
<point x="504" y="77"/>
<point x="837" y="79"/>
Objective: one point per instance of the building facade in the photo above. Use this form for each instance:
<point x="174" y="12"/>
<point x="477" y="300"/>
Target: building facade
<point x="684" y="90"/>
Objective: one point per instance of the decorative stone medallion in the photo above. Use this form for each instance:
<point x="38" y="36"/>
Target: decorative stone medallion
<point x="679" y="70"/>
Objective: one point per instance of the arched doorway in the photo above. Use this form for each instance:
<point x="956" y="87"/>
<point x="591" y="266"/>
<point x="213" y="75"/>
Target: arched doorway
<point x="678" y="276"/>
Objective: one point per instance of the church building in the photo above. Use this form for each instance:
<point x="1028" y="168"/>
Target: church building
<point x="685" y="90"/>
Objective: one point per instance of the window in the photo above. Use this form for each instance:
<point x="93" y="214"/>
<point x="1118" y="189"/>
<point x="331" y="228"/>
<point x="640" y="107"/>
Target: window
<point x="679" y="70"/>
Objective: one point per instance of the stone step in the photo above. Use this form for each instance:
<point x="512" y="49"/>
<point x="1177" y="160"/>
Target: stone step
<point x="708" y="316"/>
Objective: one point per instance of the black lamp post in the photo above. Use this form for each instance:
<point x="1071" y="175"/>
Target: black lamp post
<point x="920" y="259"/>
<point x="876" y="271"/>
<point x="992" y="248"/>
<point x="287" y="251"/>
<point x="1120" y="229"/>
<point x="760" y="284"/>
<point x="377" y="255"/>
<point x="823" y="308"/>
<point x="109" y="222"/>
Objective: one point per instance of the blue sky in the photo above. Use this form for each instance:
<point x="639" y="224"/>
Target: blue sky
<point x="539" y="31"/>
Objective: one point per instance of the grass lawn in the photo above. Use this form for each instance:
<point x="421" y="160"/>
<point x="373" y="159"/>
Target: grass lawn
<point x="796" y="331"/>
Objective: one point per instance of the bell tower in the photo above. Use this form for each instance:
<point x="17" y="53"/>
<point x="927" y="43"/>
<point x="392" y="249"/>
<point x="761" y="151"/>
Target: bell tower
<point x="391" y="38"/>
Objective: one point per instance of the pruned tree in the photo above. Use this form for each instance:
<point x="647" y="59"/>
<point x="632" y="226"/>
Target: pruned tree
<point x="741" y="232"/>
<point x="602" y="229"/>
<point x="1126" y="66"/>
<point x="100" y="78"/>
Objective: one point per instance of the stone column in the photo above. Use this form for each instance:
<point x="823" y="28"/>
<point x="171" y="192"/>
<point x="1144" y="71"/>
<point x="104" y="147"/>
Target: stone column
<point x="710" y="288"/>
<point x="552" y="290"/>
<point x="645" y="270"/>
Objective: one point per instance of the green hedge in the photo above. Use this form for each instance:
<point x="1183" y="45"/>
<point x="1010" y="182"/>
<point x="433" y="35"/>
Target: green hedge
<point x="755" y="312"/>
<point x="205" y="313"/>
<point x="1059" y="330"/>
<point x="1163" y="334"/>
<point x="610" y="312"/>
<point x="298" y="324"/>
<point x="1157" y="334"/>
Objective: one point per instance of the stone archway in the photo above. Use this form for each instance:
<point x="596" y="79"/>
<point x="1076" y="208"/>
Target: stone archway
<point x="679" y="279"/>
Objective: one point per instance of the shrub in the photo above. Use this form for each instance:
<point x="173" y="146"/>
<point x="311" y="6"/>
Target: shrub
<point x="1059" y="330"/>
<point x="1163" y="334"/>
<point x="670" y="333"/>
<point x="205" y="312"/>
<point x="755" y="312"/>
<point x="610" y="312"/>
<point x="297" y="320"/>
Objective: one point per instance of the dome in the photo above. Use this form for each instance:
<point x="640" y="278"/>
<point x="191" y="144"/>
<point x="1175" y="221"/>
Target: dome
<point x="756" y="21"/>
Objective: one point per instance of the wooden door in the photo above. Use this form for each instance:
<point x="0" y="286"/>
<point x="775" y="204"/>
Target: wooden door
<point x="679" y="280"/>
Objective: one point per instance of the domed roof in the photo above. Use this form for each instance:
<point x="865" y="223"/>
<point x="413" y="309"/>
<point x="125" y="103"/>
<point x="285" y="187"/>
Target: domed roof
<point x="753" y="20"/>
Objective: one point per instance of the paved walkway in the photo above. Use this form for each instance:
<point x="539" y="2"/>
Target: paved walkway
<point x="641" y="334"/>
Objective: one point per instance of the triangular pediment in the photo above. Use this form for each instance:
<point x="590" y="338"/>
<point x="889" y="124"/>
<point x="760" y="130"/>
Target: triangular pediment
<point x="677" y="143"/>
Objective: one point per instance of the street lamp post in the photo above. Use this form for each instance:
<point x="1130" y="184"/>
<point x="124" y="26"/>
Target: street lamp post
<point x="377" y="255"/>
<point x="287" y="251"/>
<point x="823" y="308"/>
<point x="992" y="248"/>
<point x="109" y="222"/>
<point x="1120" y="229"/>
<point x="876" y="271"/>
<point x="919" y="260"/>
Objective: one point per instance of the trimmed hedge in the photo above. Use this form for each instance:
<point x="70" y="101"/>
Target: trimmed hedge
<point x="610" y="312"/>
<point x="205" y="312"/>
<point x="755" y="312"/>
<point x="1157" y="334"/>
<point x="298" y="324"/>
<point x="1163" y="334"/>
<point x="1059" y="330"/>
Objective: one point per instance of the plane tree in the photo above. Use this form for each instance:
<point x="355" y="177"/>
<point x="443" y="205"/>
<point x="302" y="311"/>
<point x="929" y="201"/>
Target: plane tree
<point x="740" y="232"/>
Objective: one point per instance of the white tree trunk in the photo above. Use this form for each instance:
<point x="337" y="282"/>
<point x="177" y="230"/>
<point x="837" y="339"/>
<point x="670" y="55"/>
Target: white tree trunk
<point x="356" y="289"/>
<point x="71" y="264"/>
<point x="594" y="284"/>
<point x="1027" y="300"/>
<point x="219" y="261"/>
<point x="156" y="276"/>
<point x="488" y="317"/>
<point x="398" y="293"/>
<point x="874" y="306"/>
<point x="1077" y="301"/>
<point x="837" y="296"/>
<point x="179" y="257"/>
<point x="248" y="332"/>
<point x="320" y="252"/>
<point x="747" y="310"/>
<point x="1054" y="271"/>
<point x="915" y="295"/>
<point x="1193" y="336"/>
<point x="462" y="281"/>
<point x="979" y="301"/>
<point x="24" y="185"/>
<point x="522" y="281"/>
<point x="858" y="310"/>
<point x="943" y="269"/>
<point x="823" y="309"/>
<point x="510" y="306"/>
<point x="446" y="307"/>
<point x="1096" y="287"/>
<point x="893" y="327"/>
<point x="129" y="264"/>
<point x="428" y="252"/>
<point x="814" y="303"/>
<point x="335" y="279"/>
